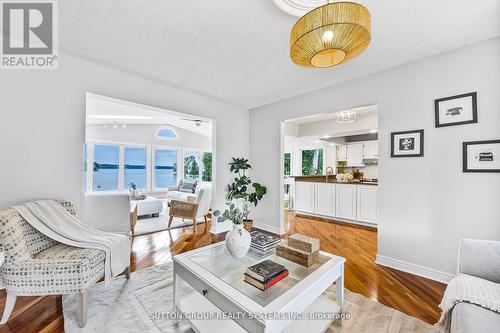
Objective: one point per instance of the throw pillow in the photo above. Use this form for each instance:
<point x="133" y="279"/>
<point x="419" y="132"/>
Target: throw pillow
<point x="188" y="187"/>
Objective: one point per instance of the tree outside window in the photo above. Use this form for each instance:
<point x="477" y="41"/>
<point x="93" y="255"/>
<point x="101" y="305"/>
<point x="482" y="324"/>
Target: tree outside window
<point x="287" y="163"/>
<point x="206" y="174"/>
<point x="312" y="162"/>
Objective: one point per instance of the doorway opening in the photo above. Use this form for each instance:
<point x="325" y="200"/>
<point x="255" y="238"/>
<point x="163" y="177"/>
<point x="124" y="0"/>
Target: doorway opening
<point x="153" y="154"/>
<point x="330" y="166"/>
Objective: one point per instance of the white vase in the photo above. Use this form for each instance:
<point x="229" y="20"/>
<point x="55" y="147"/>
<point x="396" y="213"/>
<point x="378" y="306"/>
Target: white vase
<point x="238" y="241"/>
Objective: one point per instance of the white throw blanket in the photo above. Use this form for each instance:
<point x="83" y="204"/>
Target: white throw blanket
<point x="470" y="289"/>
<point x="54" y="221"/>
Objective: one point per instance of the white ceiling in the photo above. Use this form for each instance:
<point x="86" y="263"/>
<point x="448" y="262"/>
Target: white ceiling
<point x="102" y="110"/>
<point x="237" y="51"/>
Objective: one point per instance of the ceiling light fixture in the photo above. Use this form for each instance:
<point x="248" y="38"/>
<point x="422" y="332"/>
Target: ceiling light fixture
<point x="344" y="117"/>
<point x="330" y="35"/>
<point x="373" y="131"/>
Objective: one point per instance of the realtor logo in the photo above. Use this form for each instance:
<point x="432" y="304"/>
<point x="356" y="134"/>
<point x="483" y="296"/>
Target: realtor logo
<point x="29" y="36"/>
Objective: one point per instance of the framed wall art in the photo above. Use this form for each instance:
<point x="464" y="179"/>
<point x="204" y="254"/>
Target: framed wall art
<point x="481" y="156"/>
<point x="407" y="143"/>
<point x="456" y="110"/>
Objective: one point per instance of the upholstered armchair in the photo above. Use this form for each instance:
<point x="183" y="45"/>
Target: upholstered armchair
<point x="192" y="208"/>
<point x="36" y="265"/>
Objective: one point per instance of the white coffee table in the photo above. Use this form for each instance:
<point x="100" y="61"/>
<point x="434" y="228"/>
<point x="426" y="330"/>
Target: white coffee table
<point x="217" y="278"/>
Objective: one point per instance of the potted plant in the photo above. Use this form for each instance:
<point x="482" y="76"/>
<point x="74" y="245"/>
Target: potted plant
<point x="238" y="239"/>
<point x="239" y="188"/>
<point x="134" y="193"/>
<point x="238" y="207"/>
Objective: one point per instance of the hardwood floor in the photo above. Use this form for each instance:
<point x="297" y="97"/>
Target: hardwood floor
<point x="410" y="294"/>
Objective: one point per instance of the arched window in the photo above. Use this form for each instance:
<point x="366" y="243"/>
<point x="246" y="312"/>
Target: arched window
<point x="166" y="133"/>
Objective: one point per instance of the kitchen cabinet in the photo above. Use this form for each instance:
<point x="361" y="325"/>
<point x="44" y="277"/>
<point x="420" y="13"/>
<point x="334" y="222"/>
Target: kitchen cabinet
<point x="325" y="199"/>
<point x="346" y="201"/>
<point x="367" y="203"/>
<point x="353" y="202"/>
<point x="355" y="154"/>
<point x="370" y="150"/>
<point x="341" y="153"/>
<point x="304" y="196"/>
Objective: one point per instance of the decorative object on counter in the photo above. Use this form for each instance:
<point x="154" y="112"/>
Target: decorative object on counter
<point x="481" y="156"/>
<point x="407" y="143"/>
<point x="239" y="188"/>
<point x="456" y="110"/>
<point x="303" y="243"/>
<point x="263" y="243"/>
<point x="265" y="274"/>
<point x="344" y="177"/>
<point x="357" y="175"/>
<point x="300" y="257"/>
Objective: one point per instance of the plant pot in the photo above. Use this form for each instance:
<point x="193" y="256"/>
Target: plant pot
<point x="238" y="241"/>
<point x="248" y="224"/>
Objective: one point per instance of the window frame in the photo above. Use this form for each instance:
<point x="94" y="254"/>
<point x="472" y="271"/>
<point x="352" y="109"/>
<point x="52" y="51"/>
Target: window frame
<point x="312" y="148"/>
<point x="291" y="162"/>
<point x="121" y="164"/>
<point x="202" y="151"/>
<point x="176" y="138"/>
<point x="153" y="163"/>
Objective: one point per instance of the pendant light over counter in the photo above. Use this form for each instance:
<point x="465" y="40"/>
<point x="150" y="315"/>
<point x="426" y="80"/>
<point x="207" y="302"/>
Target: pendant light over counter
<point x="330" y="35"/>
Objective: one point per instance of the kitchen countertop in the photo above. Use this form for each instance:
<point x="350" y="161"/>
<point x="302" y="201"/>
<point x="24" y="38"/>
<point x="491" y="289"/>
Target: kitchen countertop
<point x="331" y="179"/>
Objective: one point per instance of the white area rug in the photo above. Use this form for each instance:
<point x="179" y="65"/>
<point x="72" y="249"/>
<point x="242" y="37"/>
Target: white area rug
<point x="129" y="306"/>
<point x="146" y="225"/>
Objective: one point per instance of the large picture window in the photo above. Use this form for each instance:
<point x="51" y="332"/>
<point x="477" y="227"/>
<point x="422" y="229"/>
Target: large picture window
<point x="165" y="168"/>
<point x="312" y="162"/>
<point x="106" y="167"/>
<point x="135" y="167"/>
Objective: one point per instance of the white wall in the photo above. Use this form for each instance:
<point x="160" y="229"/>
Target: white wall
<point x="43" y="122"/>
<point x="364" y="121"/>
<point x="146" y="134"/>
<point x="426" y="204"/>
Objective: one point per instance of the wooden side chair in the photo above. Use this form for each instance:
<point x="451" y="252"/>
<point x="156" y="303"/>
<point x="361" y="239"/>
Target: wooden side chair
<point x="192" y="209"/>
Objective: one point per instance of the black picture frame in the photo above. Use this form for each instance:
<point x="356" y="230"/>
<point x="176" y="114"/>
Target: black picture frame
<point x="421" y="150"/>
<point x="465" y="166"/>
<point x="473" y="95"/>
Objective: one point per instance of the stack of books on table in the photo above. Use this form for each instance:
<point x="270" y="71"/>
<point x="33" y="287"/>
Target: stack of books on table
<point x="265" y="274"/>
<point x="263" y="243"/>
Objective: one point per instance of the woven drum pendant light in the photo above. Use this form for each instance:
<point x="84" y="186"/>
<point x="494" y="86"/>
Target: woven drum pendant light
<point x="330" y="35"/>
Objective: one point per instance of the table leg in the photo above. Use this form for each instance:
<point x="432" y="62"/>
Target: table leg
<point x="339" y="289"/>
<point x="177" y="295"/>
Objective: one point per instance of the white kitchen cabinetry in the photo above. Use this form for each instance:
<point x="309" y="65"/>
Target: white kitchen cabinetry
<point x="304" y="196"/>
<point x="346" y="201"/>
<point x="341" y="153"/>
<point x="355" y="155"/>
<point x="367" y="204"/>
<point x="325" y="199"/>
<point x="353" y="202"/>
<point x="370" y="150"/>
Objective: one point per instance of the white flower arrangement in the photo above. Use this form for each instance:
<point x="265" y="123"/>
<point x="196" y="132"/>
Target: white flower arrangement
<point x="344" y="177"/>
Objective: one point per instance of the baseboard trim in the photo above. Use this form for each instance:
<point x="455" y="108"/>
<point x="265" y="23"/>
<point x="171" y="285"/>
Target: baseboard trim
<point x="266" y="227"/>
<point x="408" y="267"/>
